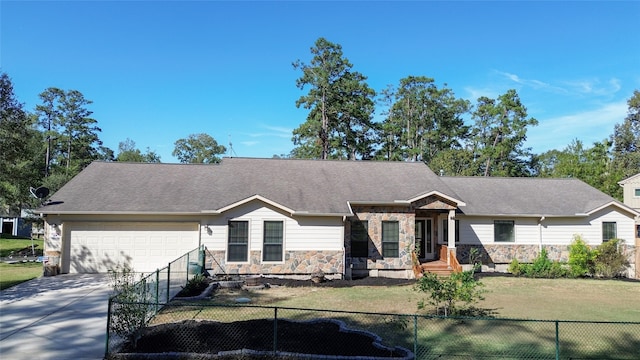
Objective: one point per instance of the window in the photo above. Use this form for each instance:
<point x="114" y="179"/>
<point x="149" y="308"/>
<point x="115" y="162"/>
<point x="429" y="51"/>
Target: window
<point x="359" y="238"/>
<point x="608" y="231"/>
<point x="503" y="231"/>
<point x="238" y="241"/>
<point x="390" y="239"/>
<point x="638" y="231"/>
<point x="273" y="235"/>
<point x="445" y="231"/>
<point x="637" y="192"/>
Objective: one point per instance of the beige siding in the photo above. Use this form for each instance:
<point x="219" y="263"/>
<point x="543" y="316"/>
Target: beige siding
<point x="630" y="199"/>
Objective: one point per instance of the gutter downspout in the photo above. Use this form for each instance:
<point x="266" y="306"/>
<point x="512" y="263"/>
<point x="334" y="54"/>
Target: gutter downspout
<point x="542" y="218"/>
<point x="344" y="250"/>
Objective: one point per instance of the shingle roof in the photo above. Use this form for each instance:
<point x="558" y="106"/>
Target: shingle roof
<point x="313" y="186"/>
<point x="527" y="196"/>
<point x="308" y="186"/>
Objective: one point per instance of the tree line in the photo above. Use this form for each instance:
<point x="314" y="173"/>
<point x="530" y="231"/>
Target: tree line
<point x="420" y="121"/>
<point x="51" y="144"/>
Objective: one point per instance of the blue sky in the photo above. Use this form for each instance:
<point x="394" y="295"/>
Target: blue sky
<point x="158" y="71"/>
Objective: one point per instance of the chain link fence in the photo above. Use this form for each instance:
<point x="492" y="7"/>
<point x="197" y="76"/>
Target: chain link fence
<point x="253" y="332"/>
<point x="138" y="301"/>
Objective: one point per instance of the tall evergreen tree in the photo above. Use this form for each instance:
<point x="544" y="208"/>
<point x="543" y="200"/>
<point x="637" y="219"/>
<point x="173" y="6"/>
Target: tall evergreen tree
<point x="423" y="118"/>
<point x="20" y="144"/>
<point x="499" y="134"/>
<point x="626" y="140"/>
<point x="339" y="123"/>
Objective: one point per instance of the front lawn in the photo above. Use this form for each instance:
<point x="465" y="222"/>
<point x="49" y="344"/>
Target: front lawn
<point x="506" y="297"/>
<point x="589" y="300"/>
<point x="12" y="274"/>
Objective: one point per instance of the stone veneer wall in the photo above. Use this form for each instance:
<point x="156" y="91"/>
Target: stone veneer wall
<point x="299" y="263"/>
<point x="503" y="254"/>
<point x="375" y="216"/>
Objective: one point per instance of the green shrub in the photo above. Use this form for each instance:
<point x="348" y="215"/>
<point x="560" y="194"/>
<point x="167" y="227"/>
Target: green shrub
<point x="194" y="287"/>
<point x="541" y="267"/>
<point x="447" y="292"/>
<point x="610" y="262"/>
<point x="129" y="305"/>
<point x="515" y="267"/>
<point x="581" y="258"/>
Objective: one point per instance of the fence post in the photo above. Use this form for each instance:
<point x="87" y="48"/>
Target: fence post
<point x="188" y="267"/>
<point x="415" y="335"/>
<point x="168" y="281"/>
<point x="557" y="341"/>
<point x="157" y="288"/>
<point x="106" y="345"/>
<point x="275" y="331"/>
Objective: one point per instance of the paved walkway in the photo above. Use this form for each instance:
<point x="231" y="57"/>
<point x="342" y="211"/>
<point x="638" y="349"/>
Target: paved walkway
<point x="57" y="317"/>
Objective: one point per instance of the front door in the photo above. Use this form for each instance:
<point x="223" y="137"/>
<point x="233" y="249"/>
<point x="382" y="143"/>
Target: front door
<point x="424" y="239"/>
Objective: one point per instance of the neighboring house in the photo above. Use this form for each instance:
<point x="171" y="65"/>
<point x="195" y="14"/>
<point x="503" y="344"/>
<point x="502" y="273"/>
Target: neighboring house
<point x="17" y="225"/>
<point x="278" y="217"/>
<point x="631" y="191"/>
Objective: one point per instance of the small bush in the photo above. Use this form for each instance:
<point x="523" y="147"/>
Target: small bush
<point x="581" y="258"/>
<point x="447" y="292"/>
<point x="515" y="267"/>
<point x="610" y="262"/>
<point x="194" y="287"/>
<point x="129" y="304"/>
<point x="541" y="267"/>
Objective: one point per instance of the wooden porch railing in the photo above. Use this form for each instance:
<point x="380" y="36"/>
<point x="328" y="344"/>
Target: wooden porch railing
<point x="450" y="257"/>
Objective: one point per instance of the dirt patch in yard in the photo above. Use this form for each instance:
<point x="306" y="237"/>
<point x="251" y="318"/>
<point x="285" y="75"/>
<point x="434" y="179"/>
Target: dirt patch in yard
<point x="320" y="337"/>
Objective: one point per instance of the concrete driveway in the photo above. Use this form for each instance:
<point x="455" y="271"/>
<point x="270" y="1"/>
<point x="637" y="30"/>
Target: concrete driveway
<point x="57" y="317"/>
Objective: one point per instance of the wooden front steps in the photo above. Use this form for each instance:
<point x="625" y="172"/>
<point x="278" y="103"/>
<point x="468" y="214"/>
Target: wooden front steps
<point x="437" y="267"/>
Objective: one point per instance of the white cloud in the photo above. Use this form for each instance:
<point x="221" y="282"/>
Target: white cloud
<point x="594" y="87"/>
<point x="588" y="126"/>
<point x="536" y="84"/>
<point x="273" y="131"/>
<point x="249" y="143"/>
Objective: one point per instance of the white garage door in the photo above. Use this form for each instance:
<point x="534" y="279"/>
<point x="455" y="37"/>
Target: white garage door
<point x="99" y="247"/>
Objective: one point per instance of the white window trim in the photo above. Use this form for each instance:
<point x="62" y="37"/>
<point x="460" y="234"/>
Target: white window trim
<point x="515" y="231"/>
<point x="250" y="225"/>
<point x="635" y="191"/>
<point x="284" y="238"/>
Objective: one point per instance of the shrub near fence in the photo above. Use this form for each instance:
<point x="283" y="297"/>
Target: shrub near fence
<point x="132" y="309"/>
<point x="427" y="337"/>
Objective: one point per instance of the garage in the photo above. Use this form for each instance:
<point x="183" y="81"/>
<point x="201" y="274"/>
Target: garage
<point x="100" y="247"/>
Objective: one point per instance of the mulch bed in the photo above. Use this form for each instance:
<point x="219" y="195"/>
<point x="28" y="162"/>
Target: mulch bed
<point x="319" y="337"/>
<point x="367" y="281"/>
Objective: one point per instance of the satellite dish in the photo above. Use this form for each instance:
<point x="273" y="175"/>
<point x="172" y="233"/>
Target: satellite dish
<point x="40" y="192"/>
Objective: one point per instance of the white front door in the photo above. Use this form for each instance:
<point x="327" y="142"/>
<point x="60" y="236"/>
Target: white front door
<point x="424" y="239"/>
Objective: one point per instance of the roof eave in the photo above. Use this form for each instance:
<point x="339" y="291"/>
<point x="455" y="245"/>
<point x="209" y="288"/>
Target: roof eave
<point x="54" y="212"/>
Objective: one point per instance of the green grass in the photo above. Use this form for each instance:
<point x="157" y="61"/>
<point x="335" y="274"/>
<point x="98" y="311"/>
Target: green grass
<point x="507" y="298"/>
<point x="7" y="246"/>
<point x="12" y="274"/>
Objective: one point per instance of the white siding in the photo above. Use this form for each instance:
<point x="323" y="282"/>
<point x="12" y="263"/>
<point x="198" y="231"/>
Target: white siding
<point x="553" y="231"/>
<point x="300" y="234"/>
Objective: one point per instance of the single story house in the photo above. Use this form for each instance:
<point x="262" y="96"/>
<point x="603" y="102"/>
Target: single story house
<point x="283" y="217"/>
